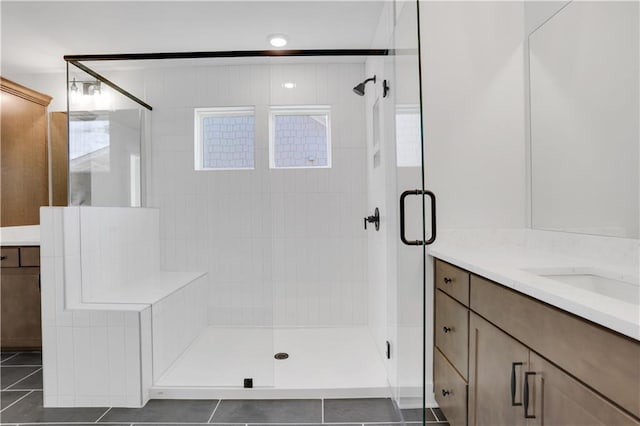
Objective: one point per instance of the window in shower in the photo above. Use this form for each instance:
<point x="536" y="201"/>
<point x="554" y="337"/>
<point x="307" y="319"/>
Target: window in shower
<point x="224" y="138"/>
<point x="300" y="137"/>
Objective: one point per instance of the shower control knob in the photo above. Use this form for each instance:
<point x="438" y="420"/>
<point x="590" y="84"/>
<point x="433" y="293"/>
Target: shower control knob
<point x="375" y="219"/>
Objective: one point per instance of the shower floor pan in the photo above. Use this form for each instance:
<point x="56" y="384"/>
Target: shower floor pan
<point x="323" y="362"/>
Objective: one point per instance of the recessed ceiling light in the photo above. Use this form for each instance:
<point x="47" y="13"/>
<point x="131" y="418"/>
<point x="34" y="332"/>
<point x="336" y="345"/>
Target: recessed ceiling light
<point x="289" y="85"/>
<point x="278" y="40"/>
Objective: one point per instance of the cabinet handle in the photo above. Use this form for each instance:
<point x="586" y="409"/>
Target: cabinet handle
<point x="526" y="395"/>
<point x="446" y="393"/>
<point x="513" y="384"/>
<point x="446" y="329"/>
<point x="3" y="257"/>
<point x="447" y="280"/>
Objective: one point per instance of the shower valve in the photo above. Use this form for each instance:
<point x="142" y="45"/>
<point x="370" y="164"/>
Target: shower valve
<point x="375" y="219"/>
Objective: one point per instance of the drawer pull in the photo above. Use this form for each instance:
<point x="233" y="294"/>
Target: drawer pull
<point x="446" y="393"/>
<point x="3" y="257"/>
<point x="447" y="329"/>
<point x="447" y="280"/>
<point x="513" y="384"/>
<point x="526" y="395"/>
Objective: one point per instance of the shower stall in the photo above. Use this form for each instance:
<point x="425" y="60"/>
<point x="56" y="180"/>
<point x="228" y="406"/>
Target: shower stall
<point x="302" y="201"/>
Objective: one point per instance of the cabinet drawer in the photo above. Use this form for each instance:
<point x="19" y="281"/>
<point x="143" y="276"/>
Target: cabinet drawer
<point x="453" y="281"/>
<point x="452" y="332"/>
<point x="450" y="390"/>
<point x="10" y="257"/>
<point x="604" y="360"/>
<point x="29" y="256"/>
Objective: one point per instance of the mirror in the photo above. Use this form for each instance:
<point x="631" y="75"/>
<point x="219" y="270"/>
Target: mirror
<point x="584" y="85"/>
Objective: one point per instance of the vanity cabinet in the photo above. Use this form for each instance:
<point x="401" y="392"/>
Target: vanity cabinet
<point x="530" y="363"/>
<point x="20" y="324"/>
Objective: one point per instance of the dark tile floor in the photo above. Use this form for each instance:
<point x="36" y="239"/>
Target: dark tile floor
<point x="21" y="404"/>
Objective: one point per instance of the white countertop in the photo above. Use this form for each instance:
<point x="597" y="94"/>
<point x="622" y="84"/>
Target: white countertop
<point x="20" y="235"/>
<point x="505" y="262"/>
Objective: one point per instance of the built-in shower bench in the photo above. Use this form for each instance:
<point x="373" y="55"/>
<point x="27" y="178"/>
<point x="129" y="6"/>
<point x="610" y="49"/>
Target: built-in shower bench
<point x="113" y="321"/>
<point x="147" y="290"/>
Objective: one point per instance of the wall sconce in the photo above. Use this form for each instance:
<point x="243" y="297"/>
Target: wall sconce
<point x="89" y="88"/>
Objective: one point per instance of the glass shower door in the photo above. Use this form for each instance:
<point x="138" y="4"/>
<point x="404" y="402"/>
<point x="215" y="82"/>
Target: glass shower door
<point x="410" y="216"/>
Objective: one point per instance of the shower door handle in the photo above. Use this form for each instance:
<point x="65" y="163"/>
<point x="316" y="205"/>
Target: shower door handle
<point x="432" y="197"/>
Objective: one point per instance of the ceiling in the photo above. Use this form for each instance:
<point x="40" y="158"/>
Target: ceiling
<point x="36" y="35"/>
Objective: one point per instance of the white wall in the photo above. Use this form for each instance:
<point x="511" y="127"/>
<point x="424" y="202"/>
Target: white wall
<point x="282" y="247"/>
<point x="473" y="98"/>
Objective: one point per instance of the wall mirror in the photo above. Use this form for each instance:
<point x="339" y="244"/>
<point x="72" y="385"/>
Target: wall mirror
<point x="584" y="94"/>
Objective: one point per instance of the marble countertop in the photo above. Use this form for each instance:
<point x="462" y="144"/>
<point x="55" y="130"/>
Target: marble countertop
<point x="511" y="265"/>
<point x="20" y="235"/>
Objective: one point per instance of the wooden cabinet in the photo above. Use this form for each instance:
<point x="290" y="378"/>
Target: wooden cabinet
<point x="559" y="399"/>
<point x="20" y="323"/>
<point x="23" y="154"/>
<point x="59" y="159"/>
<point x="496" y="376"/>
<point x="511" y="385"/>
<point x="453" y="281"/>
<point x="604" y="360"/>
<point x="528" y="363"/>
<point x="451" y="390"/>
<point x="451" y="334"/>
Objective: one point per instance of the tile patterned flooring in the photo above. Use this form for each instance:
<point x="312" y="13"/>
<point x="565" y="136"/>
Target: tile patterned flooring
<point x="21" y="404"/>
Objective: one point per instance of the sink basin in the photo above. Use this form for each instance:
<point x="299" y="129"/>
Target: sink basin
<point x="588" y="279"/>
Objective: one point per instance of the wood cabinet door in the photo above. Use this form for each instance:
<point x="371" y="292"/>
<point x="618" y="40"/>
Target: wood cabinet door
<point x="20" y="308"/>
<point x="24" y="160"/>
<point x="558" y="399"/>
<point x="495" y="360"/>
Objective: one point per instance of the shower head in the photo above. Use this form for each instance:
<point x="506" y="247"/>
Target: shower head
<point x="359" y="89"/>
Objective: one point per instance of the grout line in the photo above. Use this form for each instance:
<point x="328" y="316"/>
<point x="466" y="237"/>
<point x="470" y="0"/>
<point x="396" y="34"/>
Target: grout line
<point x="7" y="359"/>
<point x="17" y="400"/>
<point x="103" y="414"/>
<point x="214" y="411"/>
<point x="21" y="365"/>
<point x="25" y="377"/>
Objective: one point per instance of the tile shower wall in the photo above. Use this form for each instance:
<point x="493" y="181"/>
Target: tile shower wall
<point x="282" y="247"/>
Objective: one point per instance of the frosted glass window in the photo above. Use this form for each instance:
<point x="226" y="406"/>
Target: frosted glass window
<point x="300" y="137"/>
<point x="408" y="141"/>
<point x="225" y="138"/>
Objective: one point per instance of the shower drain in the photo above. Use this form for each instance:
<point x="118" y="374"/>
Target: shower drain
<point x="281" y="355"/>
